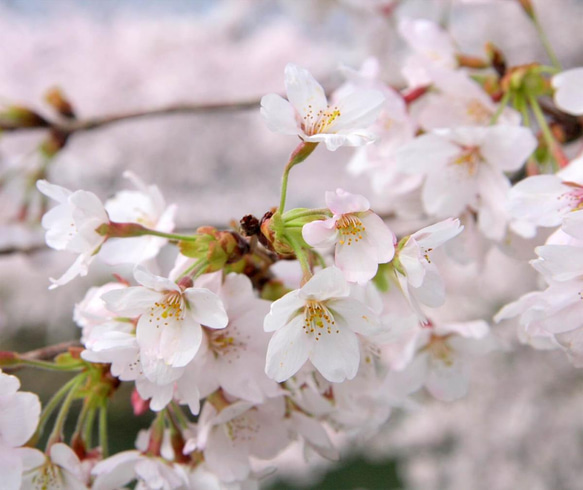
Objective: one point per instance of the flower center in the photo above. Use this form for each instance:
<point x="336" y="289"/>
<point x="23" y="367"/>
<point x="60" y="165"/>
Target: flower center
<point x="469" y="159"/>
<point x="350" y="228"/>
<point x="48" y="476"/>
<point x="478" y="112"/>
<point x="170" y="309"/>
<point x="319" y="122"/>
<point x="574" y="198"/>
<point x="227" y="342"/>
<point x="243" y="428"/>
<point x="440" y="350"/>
<point x="318" y="320"/>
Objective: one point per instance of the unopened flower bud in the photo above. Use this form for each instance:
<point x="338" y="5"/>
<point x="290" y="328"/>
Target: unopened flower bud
<point x="57" y="100"/>
<point x="54" y="143"/>
<point x="14" y="117"/>
<point x="496" y="58"/>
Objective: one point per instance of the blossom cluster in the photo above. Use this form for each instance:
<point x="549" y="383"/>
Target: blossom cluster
<point x="291" y="335"/>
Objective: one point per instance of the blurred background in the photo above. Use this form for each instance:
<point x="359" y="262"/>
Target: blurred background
<point x="521" y="427"/>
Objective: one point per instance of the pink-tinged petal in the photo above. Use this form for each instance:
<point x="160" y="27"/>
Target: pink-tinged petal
<point x="31" y="458"/>
<point x="304" y="92"/>
<point x="357" y="261"/>
<point x="508" y="147"/>
<point x="283" y="310"/>
<point x="325" y="284"/>
<point x="228" y="460"/>
<point x="492" y="213"/>
<point x="438" y="198"/>
<point x="180" y="341"/>
<point x="313" y="431"/>
<point x="59" y="225"/>
<point x="159" y="395"/>
<point x="115" y="471"/>
<point x="568" y="96"/>
<point x="279" y="114"/>
<point x="432" y="290"/>
<point x="425" y="154"/>
<point x="10" y="469"/>
<point x="63" y="456"/>
<point x="336" y="355"/>
<point x="538" y="199"/>
<point x="477" y="329"/>
<point x="336" y="140"/>
<point x="86" y="206"/>
<point x="8" y="384"/>
<point x="448" y="382"/>
<point x="436" y="235"/>
<point x="359" y="109"/>
<point x="78" y="268"/>
<point x="573" y="224"/>
<point x="573" y="172"/>
<point x="379" y="236"/>
<point x="288" y="350"/>
<point x="559" y="262"/>
<point x="206" y="308"/>
<point x="358" y="317"/>
<point x="342" y="202"/>
<point x="410" y="258"/>
<point x="320" y="233"/>
<point x="19" y="418"/>
<point x="132" y="301"/>
<point x="152" y="281"/>
<point x="56" y="192"/>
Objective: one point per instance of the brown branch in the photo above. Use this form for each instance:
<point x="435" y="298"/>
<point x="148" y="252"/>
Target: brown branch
<point x="73" y="126"/>
<point x="50" y="351"/>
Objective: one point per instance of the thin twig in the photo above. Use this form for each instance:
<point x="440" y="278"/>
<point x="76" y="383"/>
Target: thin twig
<point x="50" y="351"/>
<point x="74" y="126"/>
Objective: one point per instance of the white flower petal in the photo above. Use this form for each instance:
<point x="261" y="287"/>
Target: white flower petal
<point x="279" y="114"/>
<point x="206" y="307"/>
<point x="288" y="350"/>
<point x="336" y="355"/>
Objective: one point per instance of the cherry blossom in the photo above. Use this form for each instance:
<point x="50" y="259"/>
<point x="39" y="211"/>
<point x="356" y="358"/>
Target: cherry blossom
<point x="59" y="470"/>
<point x="473" y="161"/>
<point x="361" y="238"/>
<point x="241" y="430"/>
<point x="419" y="278"/>
<point x="545" y="200"/>
<point x="19" y="416"/>
<point x="168" y="331"/>
<point x="320" y="323"/>
<point x="568" y="96"/>
<point x="233" y="358"/>
<point x="443" y="358"/>
<point x="150" y="473"/>
<point x="72" y="226"/>
<point x="145" y="206"/>
<point x="308" y="114"/>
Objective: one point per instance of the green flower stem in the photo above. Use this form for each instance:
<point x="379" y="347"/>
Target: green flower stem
<point x="501" y="106"/>
<point x="88" y="429"/>
<point x="49" y="366"/>
<point x="130" y="230"/>
<point x="182" y="419"/>
<point x="545" y="41"/>
<point x="195" y="269"/>
<point x="544" y="127"/>
<point x="170" y="236"/>
<point x="321" y="213"/>
<point x="57" y="432"/>
<point x="302" y="152"/>
<point x="80" y="427"/>
<point x="103" y="430"/>
<point x="301" y="256"/>
<point x="49" y="409"/>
